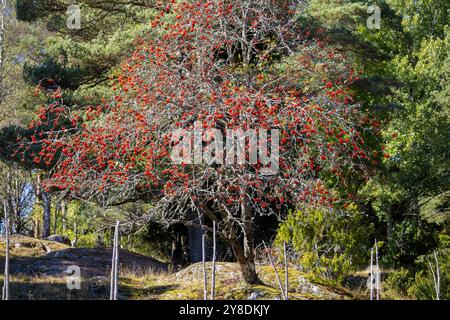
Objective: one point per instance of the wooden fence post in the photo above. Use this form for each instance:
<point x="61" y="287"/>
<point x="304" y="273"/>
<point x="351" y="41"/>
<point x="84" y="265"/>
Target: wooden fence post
<point x="286" y="273"/>
<point x="378" y="280"/>
<point x="115" y="265"/>
<point x="205" y="284"/>
<point x="438" y="282"/>
<point x="213" y="273"/>
<point x="5" y="291"/>
<point x="371" y="273"/>
<point x="436" y="275"/>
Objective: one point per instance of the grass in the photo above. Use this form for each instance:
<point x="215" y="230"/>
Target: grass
<point x="29" y="247"/>
<point x="148" y="284"/>
<point x="160" y="286"/>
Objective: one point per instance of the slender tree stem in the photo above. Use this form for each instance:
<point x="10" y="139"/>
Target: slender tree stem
<point x="378" y="286"/>
<point x="438" y="277"/>
<point x="276" y="272"/>
<point x="205" y="284"/>
<point x="213" y="273"/>
<point x="371" y="273"/>
<point x="5" y="294"/>
<point x="286" y="273"/>
<point x="115" y="265"/>
<point x="111" y="291"/>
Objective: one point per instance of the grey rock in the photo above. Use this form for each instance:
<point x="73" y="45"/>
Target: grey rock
<point x="59" y="238"/>
<point x="255" y="295"/>
<point x="307" y="287"/>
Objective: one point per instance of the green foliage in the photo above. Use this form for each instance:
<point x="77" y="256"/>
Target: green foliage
<point x="83" y="61"/>
<point x="20" y="45"/>
<point x="400" y="281"/>
<point x="152" y="240"/>
<point x="422" y="287"/>
<point x="406" y="81"/>
<point x="422" y="18"/>
<point x="417" y="136"/>
<point x="329" y="243"/>
<point x="419" y="283"/>
<point x="437" y="209"/>
<point x="335" y="13"/>
<point x="79" y="224"/>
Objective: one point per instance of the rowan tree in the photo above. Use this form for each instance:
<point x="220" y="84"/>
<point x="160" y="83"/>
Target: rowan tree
<point x="230" y="65"/>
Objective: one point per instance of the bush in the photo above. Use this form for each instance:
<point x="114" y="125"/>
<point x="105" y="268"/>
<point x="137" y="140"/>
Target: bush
<point x="400" y="281"/>
<point x="423" y="287"/>
<point x="329" y="243"/>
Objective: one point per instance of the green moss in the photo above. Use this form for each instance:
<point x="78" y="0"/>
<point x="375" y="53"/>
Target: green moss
<point x="243" y="292"/>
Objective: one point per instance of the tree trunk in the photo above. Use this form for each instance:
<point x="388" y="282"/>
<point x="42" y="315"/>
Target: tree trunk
<point x="195" y="236"/>
<point x="46" y="200"/>
<point x="245" y="257"/>
<point x="37" y="227"/>
<point x="75" y="232"/>
<point x="246" y="263"/>
<point x="249" y="272"/>
<point x="185" y="249"/>
<point x="64" y="215"/>
<point x="55" y="220"/>
<point x="47" y="204"/>
<point x="249" y="269"/>
<point x="177" y="250"/>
